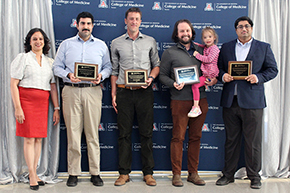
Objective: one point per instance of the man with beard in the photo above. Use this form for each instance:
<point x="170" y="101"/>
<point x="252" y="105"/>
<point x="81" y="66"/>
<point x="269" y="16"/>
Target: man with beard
<point x="82" y="100"/>
<point x="243" y="101"/>
<point x="181" y="55"/>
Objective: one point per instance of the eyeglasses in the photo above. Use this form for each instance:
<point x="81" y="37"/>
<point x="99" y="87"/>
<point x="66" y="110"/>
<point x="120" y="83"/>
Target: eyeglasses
<point x="244" y="26"/>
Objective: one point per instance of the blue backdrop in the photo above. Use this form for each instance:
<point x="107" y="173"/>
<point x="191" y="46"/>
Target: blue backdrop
<point x="158" y="19"/>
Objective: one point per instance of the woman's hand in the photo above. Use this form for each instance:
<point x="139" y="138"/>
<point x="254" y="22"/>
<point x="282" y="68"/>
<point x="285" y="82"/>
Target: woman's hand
<point x="56" y="117"/>
<point x="19" y="115"/>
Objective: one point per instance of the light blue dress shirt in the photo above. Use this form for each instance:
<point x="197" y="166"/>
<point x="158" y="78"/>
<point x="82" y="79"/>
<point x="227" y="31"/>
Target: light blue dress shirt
<point x="242" y="50"/>
<point x="74" y="49"/>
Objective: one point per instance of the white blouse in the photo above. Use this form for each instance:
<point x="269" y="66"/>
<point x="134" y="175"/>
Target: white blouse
<point x="31" y="75"/>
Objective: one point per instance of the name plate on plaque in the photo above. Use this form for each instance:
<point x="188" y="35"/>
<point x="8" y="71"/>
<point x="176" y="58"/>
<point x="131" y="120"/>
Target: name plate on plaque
<point x="135" y="78"/>
<point x="85" y="71"/>
<point x="239" y="70"/>
<point x="188" y="75"/>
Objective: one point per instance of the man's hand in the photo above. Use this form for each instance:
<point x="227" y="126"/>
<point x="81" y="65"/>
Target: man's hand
<point x="227" y="77"/>
<point x="210" y="82"/>
<point x="73" y="78"/>
<point x="178" y="86"/>
<point x="148" y="82"/>
<point x="252" y="78"/>
<point x="114" y="103"/>
<point x="99" y="78"/>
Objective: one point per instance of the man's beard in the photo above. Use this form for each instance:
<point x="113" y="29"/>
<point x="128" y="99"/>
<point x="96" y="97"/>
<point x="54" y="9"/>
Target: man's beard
<point x="185" y="42"/>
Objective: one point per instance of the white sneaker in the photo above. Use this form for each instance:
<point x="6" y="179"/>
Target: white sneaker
<point x="194" y="112"/>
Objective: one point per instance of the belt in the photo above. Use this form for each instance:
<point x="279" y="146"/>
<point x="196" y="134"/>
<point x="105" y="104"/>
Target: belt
<point x="128" y="87"/>
<point x="80" y="85"/>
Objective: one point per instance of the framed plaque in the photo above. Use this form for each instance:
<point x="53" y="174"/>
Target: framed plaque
<point x="239" y="70"/>
<point x="135" y="78"/>
<point x="84" y="71"/>
<point x="188" y="75"/>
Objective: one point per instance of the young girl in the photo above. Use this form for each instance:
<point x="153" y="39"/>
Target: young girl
<point x="208" y="67"/>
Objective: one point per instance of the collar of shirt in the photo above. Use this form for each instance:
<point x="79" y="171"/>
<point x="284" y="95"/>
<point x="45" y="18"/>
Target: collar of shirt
<point x="242" y="50"/>
<point x="32" y="53"/>
<point x="91" y="39"/>
<point x="191" y="48"/>
<point x="140" y="35"/>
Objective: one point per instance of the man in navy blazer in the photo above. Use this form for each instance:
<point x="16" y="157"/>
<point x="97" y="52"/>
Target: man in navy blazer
<point x="243" y="101"/>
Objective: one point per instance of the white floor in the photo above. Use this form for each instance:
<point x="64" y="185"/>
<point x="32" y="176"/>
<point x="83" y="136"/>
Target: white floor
<point x="136" y="185"/>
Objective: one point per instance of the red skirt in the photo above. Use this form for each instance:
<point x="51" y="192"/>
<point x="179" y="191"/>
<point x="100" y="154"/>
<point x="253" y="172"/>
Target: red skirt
<point x="34" y="103"/>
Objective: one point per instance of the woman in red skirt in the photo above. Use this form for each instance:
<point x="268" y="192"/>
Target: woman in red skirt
<point x="32" y="81"/>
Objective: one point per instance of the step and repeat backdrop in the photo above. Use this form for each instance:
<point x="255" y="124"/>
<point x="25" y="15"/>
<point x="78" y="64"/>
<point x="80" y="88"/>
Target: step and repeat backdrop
<point x="158" y="19"/>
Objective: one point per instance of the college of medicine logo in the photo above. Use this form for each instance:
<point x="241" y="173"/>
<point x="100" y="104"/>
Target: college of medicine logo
<point x="103" y="4"/>
<point x="205" y="128"/>
<point x="101" y="127"/>
<point x="156" y="6"/>
<point x="73" y="23"/>
<point x="103" y="86"/>
<point x="155" y="128"/>
<point x="155" y="87"/>
<point x="208" y="7"/>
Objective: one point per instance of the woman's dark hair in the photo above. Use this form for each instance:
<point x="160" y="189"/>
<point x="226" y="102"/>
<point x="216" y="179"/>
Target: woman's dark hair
<point x="85" y="15"/>
<point x="27" y="45"/>
<point x="175" y="30"/>
<point x="133" y="9"/>
<point x="243" y="18"/>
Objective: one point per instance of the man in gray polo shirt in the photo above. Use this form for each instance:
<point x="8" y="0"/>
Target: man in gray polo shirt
<point x="134" y="50"/>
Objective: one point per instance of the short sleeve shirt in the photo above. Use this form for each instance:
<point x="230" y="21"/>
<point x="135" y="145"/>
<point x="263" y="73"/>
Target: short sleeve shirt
<point x="31" y="75"/>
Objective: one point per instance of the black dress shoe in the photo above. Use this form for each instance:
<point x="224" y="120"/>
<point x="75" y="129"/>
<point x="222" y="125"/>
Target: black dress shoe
<point x="41" y="183"/>
<point x="224" y="181"/>
<point x="256" y="184"/>
<point x="97" y="181"/>
<point x="36" y="187"/>
<point x="72" y="181"/>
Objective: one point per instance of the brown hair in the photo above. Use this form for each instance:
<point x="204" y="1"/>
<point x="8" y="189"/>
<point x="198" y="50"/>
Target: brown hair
<point x="212" y="31"/>
<point x="133" y="9"/>
<point x="27" y="46"/>
<point x="175" y="30"/>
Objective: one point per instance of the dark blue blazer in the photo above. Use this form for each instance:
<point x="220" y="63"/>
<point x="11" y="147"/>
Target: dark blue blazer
<point x="264" y="66"/>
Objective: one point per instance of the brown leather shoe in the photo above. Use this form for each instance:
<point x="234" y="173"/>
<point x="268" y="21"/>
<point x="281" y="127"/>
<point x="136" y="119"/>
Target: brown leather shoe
<point x="122" y="180"/>
<point x="176" y="181"/>
<point x="150" y="181"/>
<point x="194" y="178"/>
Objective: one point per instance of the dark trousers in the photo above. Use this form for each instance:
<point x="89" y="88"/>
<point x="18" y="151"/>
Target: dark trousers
<point x="129" y="102"/>
<point x="180" y="120"/>
<point x="247" y="122"/>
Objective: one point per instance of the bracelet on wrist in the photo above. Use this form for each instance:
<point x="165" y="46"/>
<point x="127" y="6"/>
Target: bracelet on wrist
<point x="56" y="108"/>
<point x="151" y="77"/>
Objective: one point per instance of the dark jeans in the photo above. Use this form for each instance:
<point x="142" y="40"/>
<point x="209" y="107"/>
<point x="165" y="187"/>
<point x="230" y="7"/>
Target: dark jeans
<point x="247" y="122"/>
<point x="180" y="120"/>
<point x="140" y="102"/>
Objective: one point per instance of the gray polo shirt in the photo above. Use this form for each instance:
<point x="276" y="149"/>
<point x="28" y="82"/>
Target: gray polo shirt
<point x="128" y="54"/>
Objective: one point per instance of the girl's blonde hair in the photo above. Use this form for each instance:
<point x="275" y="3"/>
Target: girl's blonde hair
<point x="211" y="30"/>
